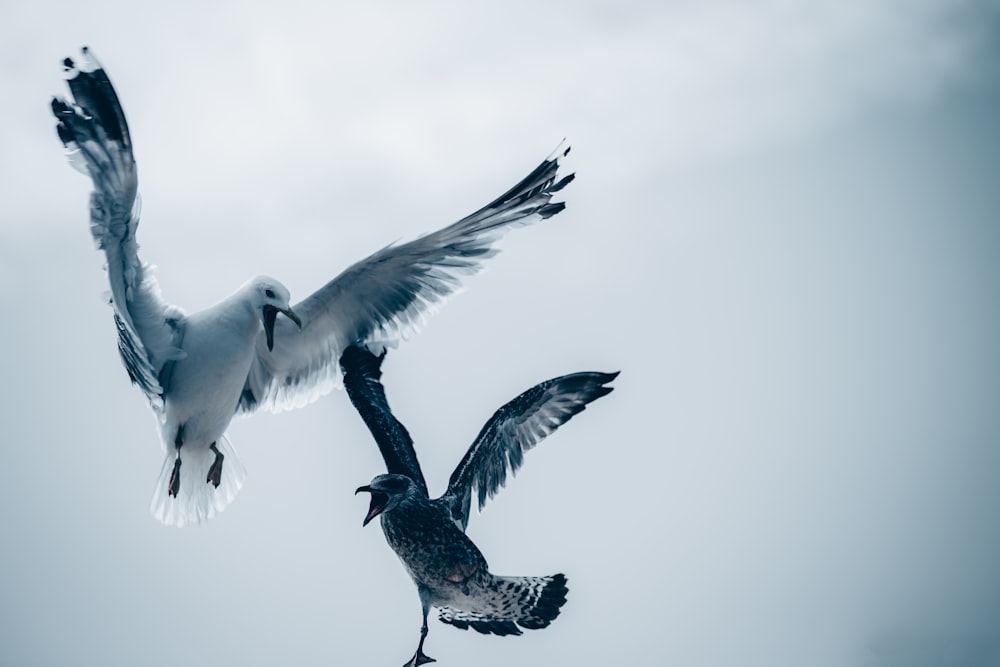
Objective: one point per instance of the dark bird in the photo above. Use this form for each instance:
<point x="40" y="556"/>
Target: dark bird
<point x="199" y="370"/>
<point x="429" y="535"/>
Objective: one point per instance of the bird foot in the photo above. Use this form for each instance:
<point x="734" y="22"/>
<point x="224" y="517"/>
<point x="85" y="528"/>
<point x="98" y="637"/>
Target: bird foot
<point x="175" y="479"/>
<point x="215" y="471"/>
<point x="419" y="659"/>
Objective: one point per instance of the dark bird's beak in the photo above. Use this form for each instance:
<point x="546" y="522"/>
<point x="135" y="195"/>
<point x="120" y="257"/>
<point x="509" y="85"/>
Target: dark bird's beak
<point x="270" y="315"/>
<point x="379" y="501"/>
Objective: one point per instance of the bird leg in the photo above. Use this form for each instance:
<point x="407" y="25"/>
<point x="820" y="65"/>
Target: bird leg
<point x="215" y="472"/>
<point x="175" y="476"/>
<point x="419" y="658"/>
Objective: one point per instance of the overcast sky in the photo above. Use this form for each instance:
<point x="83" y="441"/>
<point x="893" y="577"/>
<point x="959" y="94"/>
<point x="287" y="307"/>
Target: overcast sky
<point x="785" y="232"/>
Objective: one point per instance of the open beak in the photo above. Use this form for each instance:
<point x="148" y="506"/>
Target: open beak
<point x="270" y="315"/>
<point x="379" y="501"/>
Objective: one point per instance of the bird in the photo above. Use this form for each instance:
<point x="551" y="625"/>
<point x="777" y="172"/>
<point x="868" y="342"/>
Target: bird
<point x="198" y="370"/>
<point x="428" y="536"/>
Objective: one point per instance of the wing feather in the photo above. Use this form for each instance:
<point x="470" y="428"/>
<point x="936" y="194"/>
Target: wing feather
<point x="514" y="429"/>
<point x="387" y="296"/>
<point x="95" y="133"/>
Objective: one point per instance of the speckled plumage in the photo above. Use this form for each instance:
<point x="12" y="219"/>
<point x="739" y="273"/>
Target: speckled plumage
<point x="443" y="561"/>
<point x="429" y="535"/>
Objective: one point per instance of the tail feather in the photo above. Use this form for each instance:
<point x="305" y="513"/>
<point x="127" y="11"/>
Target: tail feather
<point x="197" y="500"/>
<point x="530" y="602"/>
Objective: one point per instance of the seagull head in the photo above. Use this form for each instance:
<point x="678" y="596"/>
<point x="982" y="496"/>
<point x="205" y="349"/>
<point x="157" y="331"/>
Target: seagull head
<point x="387" y="492"/>
<point x="270" y="297"/>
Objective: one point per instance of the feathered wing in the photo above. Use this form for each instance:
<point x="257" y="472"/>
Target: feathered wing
<point x="362" y="371"/>
<point x="93" y="129"/>
<point x="504" y="603"/>
<point x="381" y="299"/>
<point x="514" y="429"/>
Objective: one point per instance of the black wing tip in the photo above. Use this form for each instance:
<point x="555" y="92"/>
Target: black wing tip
<point x="86" y="64"/>
<point x="587" y="381"/>
<point x="601" y="388"/>
<point x="94" y="100"/>
<point x="608" y="377"/>
<point x="563" y="182"/>
<point x="586" y="386"/>
<point x="541" y="182"/>
<point x="561" y="151"/>
<point x="550" y="210"/>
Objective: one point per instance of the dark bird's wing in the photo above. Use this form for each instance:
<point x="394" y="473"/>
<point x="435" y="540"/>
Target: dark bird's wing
<point x="92" y="127"/>
<point x="362" y="371"/>
<point x="386" y="296"/>
<point x="514" y="429"/>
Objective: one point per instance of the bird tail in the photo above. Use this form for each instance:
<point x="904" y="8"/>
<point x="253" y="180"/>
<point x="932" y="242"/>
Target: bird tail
<point x="197" y="500"/>
<point x="529" y="602"/>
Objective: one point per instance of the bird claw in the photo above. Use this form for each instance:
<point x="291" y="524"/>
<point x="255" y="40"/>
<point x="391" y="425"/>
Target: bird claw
<point x="419" y="659"/>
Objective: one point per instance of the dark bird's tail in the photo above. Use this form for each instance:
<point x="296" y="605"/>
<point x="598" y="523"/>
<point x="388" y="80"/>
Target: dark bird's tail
<point x="529" y="602"/>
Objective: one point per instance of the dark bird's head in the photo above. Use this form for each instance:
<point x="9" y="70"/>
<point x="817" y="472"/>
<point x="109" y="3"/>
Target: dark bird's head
<point x="387" y="492"/>
<point x="269" y="297"/>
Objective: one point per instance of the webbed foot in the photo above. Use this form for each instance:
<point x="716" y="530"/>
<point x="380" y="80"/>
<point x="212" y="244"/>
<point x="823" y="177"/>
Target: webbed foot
<point x="419" y="659"/>
<point x="175" y="479"/>
<point x="215" y="471"/>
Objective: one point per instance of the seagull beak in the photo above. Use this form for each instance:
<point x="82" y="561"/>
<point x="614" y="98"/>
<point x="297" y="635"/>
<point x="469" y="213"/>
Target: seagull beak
<point x="270" y="314"/>
<point x="379" y="501"/>
<point x="290" y="314"/>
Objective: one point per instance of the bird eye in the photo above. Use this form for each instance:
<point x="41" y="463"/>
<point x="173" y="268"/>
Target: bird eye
<point x="269" y="293"/>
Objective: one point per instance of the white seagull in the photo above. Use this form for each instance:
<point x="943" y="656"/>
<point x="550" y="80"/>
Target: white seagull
<point x="199" y="370"/>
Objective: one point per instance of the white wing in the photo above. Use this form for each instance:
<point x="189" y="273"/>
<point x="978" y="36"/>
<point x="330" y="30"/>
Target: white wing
<point x="92" y="127"/>
<point x="381" y="299"/>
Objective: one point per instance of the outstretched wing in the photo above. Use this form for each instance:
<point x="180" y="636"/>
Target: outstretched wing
<point x="514" y="429"/>
<point x="92" y="127"/>
<point x="362" y="371"/>
<point x="383" y="298"/>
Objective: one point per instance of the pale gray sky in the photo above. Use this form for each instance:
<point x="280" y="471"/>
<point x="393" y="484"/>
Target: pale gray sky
<point x="784" y="232"/>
